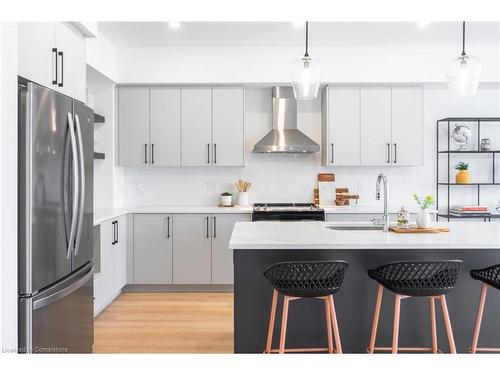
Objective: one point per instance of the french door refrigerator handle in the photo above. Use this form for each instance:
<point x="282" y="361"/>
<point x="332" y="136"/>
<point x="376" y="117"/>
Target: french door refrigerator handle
<point x="54" y="66"/>
<point x="76" y="187"/>
<point x="82" y="185"/>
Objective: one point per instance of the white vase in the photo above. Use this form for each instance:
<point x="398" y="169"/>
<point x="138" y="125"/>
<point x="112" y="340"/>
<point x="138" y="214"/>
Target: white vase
<point x="243" y="198"/>
<point x="423" y="219"/>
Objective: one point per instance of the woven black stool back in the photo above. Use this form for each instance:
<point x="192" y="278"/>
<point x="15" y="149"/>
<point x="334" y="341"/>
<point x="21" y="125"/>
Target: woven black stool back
<point x="307" y="279"/>
<point x="490" y="275"/>
<point x="418" y="279"/>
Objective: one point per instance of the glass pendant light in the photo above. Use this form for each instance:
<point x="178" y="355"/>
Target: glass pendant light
<point x="463" y="73"/>
<point x="305" y="73"/>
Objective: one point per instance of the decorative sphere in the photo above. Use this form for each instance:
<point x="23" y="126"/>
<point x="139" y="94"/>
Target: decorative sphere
<point x="461" y="135"/>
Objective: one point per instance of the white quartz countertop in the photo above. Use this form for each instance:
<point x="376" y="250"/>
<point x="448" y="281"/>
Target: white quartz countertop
<point x="108" y="214"/>
<point x="102" y="215"/>
<point x="317" y="235"/>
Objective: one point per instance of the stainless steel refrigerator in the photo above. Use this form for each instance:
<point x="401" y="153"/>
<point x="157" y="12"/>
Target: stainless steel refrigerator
<point x="56" y="141"/>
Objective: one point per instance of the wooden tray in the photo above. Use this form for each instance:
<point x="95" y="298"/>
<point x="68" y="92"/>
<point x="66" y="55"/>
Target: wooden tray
<point x="419" y="230"/>
<point x="222" y="206"/>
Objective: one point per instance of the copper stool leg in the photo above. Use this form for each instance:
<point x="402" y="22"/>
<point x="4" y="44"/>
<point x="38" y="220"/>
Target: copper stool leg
<point x="328" y="318"/>
<point x="395" y="328"/>
<point x="376" y="315"/>
<point x="284" y="320"/>
<point x="336" y="333"/>
<point x="432" y="308"/>
<point x="272" y="318"/>
<point x="479" y="317"/>
<point x="449" y="331"/>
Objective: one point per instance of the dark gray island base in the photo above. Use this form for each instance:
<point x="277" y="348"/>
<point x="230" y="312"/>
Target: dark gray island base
<point x="355" y="302"/>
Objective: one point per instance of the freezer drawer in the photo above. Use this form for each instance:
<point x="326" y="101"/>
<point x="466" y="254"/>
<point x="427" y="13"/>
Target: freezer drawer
<point x="60" y="319"/>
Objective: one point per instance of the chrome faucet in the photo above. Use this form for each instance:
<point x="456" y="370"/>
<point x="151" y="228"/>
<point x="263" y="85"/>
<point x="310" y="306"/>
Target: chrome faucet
<point x="385" y="219"/>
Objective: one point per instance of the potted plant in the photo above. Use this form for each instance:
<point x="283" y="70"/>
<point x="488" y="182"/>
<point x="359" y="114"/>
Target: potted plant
<point x="226" y="199"/>
<point x="463" y="176"/>
<point x="423" y="216"/>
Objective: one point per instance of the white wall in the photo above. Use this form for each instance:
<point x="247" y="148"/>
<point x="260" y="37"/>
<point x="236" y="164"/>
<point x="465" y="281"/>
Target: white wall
<point x="101" y="54"/>
<point x="271" y="64"/>
<point x="8" y="186"/>
<point x="283" y="178"/>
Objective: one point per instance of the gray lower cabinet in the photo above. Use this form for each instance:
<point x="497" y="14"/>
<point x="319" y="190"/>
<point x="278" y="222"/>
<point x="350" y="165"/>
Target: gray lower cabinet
<point x="192" y="256"/>
<point x="153" y="248"/>
<point x="222" y="257"/>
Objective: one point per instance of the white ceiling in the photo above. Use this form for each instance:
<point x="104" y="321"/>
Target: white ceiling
<point x="286" y="34"/>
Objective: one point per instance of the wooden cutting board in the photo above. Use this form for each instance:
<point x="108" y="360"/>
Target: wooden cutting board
<point x="419" y="230"/>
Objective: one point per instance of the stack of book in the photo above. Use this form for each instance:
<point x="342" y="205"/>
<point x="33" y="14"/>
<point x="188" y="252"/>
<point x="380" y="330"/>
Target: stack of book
<point x="469" y="211"/>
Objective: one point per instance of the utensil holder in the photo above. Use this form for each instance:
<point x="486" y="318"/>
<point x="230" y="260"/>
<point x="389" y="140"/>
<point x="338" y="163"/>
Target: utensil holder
<point x="243" y="198"/>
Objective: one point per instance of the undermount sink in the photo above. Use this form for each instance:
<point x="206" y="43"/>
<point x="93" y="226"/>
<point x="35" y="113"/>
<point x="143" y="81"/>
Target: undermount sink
<point x="354" y="227"/>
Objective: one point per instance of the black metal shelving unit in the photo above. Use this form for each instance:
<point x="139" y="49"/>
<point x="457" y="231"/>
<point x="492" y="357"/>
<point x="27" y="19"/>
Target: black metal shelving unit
<point x="448" y="184"/>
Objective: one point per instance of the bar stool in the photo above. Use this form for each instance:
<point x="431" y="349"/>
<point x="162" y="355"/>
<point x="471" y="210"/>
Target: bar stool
<point x="431" y="279"/>
<point x="296" y="280"/>
<point x="490" y="277"/>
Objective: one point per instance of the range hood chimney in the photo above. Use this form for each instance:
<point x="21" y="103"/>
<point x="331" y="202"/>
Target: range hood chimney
<point x="284" y="136"/>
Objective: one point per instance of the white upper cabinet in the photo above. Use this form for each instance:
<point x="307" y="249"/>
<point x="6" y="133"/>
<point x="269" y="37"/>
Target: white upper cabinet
<point x="53" y="55"/>
<point x="372" y="126"/>
<point x="133" y="119"/>
<point x="71" y="62"/>
<point x="36" y="60"/>
<point x="228" y="138"/>
<point x="407" y="129"/>
<point x="375" y="126"/>
<point x="196" y="112"/>
<point x="341" y="126"/>
<point x="165" y="129"/>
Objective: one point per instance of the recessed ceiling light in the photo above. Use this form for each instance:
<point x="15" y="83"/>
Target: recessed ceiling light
<point x="174" y="25"/>
<point x="422" y="24"/>
<point x="298" y="24"/>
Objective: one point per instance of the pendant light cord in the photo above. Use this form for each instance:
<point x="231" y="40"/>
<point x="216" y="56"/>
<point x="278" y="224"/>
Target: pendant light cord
<point x="463" y="38"/>
<point x="307" y="39"/>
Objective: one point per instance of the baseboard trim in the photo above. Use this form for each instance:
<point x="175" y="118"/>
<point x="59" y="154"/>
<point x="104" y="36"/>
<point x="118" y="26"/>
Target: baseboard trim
<point x="222" y="288"/>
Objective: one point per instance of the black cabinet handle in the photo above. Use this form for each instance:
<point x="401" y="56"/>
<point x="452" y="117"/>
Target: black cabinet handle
<point x="395" y="153"/>
<point x="117" y="236"/>
<point x="208" y="153"/>
<point x="114" y="223"/>
<point x="145" y="153"/>
<point x="388" y="153"/>
<point x="215" y="226"/>
<point x="331" y="144"/>
<point x="208" y="234"/>
<point x="54" y="72"/>
<point x="61" y="84"/>
<point x="152" y="153"/>
<point x="215" y="153"/>
<point x="168" y="226"/>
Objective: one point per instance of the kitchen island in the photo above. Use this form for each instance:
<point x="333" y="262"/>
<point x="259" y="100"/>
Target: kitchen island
<point x="256" y="245"/>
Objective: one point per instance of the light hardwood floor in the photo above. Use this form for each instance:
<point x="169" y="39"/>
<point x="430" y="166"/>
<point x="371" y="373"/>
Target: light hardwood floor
<point x="166" y="323"/>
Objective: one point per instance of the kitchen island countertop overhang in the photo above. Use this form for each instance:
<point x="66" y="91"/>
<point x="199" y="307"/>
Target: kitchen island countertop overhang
<point x="318" y="235"/>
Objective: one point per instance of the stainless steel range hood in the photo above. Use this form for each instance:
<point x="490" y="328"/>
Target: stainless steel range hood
<point x="284" y="136"/>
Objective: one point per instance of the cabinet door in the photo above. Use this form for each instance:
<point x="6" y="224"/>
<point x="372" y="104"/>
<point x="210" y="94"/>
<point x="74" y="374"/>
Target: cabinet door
<point x="133" y="122"/>
<point x="222" y="256"/>
<point x="343" y="126"/>
<point x="192" y="249"/>
<point x="196" y="112"/>
<point x="165" y="135"/>
<point x="152" y="249"/>
<point x="71" y="64"/>
<point x="120" y="271"/>
<point x="228" y="126"/>
<point x="35" y="60"/>
<point x="107" y="261"/>
<point x="407" y="126"/>
<point x="376" y="126"/>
